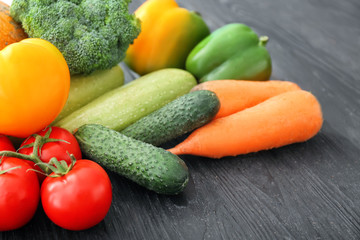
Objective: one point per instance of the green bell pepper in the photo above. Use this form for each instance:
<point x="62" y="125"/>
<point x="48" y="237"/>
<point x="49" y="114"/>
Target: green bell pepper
<point x="233" y="51"/>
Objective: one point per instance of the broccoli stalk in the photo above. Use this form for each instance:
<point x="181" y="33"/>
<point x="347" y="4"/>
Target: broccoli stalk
<point x="91" y="34"/>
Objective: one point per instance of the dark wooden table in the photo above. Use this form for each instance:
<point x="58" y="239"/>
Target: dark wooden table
<point x="309" y="190"/>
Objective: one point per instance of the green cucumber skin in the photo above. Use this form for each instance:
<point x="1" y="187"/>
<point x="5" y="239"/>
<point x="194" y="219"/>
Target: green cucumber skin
<point x="178" y="117"/>
<point x="123" y="106"/>
<point x="85" y="88"/>
<point x="151" y="167"/>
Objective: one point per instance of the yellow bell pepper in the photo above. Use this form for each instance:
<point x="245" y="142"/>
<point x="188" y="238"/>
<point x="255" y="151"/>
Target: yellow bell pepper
<point x="168" y="34"/>
<point x="34" y="86"/>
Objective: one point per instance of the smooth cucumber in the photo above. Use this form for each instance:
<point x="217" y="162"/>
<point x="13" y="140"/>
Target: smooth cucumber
<point x="123" y="106"/>
<point x="85" y="88"/>
<point x="178" y="117"/>
<point x="149" y="166"/>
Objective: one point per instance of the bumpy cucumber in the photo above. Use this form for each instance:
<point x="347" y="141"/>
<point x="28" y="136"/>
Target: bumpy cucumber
<point x="125" y="105"/>
<point x="85" y="88"/>
<point x="178" y="117"/>
<point x="149" y="166"/>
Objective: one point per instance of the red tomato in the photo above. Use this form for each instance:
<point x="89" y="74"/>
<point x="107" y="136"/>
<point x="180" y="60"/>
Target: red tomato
<point x="58" y="149"/>
<point x="19" y="195"/>
<point x="5" y="144"/>
<point x="80" y="199"/>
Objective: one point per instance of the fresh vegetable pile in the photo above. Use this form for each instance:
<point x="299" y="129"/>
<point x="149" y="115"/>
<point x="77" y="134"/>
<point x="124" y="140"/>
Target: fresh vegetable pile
<point x="62" y="94"/>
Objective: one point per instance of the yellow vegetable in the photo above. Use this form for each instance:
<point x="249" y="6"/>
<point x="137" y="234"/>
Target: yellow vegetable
<point x="34" y="86"/>
<point x="168" y="34"/>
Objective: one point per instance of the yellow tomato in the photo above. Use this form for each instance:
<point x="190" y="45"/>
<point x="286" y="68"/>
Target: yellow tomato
<point x="34" y="86"/>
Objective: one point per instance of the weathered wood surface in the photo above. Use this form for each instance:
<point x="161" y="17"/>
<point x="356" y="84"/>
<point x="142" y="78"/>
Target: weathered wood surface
<point x="303" y="191"/>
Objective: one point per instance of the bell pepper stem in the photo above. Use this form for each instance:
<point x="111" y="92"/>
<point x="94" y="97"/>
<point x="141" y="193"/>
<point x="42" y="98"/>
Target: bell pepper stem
<point x="263" y="40"/>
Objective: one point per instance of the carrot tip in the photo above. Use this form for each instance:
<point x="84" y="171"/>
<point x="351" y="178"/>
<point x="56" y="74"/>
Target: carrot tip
<point x="175" y="151"/>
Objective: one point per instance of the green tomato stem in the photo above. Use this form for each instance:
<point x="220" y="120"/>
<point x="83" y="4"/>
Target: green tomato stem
<point x="17" y="155"/>
<point x="59" y="168"/>
<point x="33" y="157"/>
<point x="37" y="146"/>
<point x="7" y="170"/>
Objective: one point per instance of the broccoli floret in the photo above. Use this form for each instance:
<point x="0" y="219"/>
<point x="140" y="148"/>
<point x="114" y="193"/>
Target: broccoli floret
<point x="91" y="34"/>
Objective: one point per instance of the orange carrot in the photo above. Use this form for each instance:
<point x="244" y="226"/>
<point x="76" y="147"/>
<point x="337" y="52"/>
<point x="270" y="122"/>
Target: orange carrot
<point x="287" y="118"/>
<point x="235" y="95"/>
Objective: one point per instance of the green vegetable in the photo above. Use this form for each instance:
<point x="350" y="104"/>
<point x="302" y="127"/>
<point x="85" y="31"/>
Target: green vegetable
<point x="123" y="106"/>
<point x="231" y="52"/>
<point x="85" y="88"/>
<point x="178" y="117"/>
<point x="149" y="166"/>
<point x="91" y="34"/>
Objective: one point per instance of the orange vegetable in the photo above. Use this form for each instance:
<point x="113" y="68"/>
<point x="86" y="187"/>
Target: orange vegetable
<point x="235" y="95"/>
<point x="281" y="120"/>
<point x="34" y="86"/>
<point x="10" y="31"/>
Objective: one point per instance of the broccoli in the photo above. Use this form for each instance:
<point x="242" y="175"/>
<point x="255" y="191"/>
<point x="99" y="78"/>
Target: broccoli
<point x="91" y="34"/>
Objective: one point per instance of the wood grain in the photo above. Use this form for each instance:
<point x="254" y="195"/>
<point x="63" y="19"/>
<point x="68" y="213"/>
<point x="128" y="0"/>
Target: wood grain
<point x="309" y="190"/>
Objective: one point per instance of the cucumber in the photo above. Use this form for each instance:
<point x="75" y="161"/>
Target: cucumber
<point x="123" y="106"/>
<point x="85" y="88"/>
<point x="151" y="167"/>
<point x="178" y="117"/>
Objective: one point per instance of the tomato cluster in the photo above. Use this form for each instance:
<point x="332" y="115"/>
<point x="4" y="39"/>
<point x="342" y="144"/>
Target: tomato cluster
<point x="76" y="194"/>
